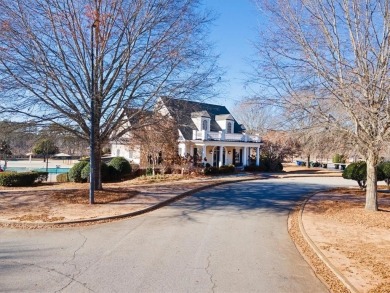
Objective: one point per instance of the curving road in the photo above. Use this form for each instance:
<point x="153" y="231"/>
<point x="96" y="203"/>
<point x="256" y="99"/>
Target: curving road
<point x="232" y="238"/>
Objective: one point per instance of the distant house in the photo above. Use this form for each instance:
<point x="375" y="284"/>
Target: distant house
<point x="207" y="133"/>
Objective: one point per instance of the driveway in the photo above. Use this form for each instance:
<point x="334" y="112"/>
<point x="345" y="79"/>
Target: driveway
<point x="231" y="238"/>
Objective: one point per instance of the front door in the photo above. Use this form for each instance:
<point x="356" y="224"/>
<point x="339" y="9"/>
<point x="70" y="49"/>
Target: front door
<point x="216" y="156"/>
<point x="236" y="158"/>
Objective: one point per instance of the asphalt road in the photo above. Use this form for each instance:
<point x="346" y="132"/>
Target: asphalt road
<point x="232" y="238"/>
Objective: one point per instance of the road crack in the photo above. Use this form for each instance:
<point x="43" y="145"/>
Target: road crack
<point x="77" y="272"/>
<point x="207" y="269"/>
<point x="70" y="277"/>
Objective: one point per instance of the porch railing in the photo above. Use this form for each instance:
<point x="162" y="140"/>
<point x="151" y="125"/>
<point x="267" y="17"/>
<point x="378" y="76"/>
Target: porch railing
<point x="223" y="136"/>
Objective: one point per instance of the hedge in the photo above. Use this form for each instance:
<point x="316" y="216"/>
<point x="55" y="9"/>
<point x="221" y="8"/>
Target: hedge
<point x="22" y="178"/>
<point x="62" y="177"/>
<point x="225" y="169"/>
<point x="121" y="166"/>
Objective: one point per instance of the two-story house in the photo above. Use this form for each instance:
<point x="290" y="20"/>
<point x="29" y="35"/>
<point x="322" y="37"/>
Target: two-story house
<point x="207" y="132"/>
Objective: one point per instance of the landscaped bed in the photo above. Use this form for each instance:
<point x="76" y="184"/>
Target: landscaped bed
<point x="357" y="242"/>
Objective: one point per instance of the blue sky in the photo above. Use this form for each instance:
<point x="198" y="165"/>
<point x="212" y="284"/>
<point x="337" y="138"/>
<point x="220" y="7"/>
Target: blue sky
<point x="232" y="33"/>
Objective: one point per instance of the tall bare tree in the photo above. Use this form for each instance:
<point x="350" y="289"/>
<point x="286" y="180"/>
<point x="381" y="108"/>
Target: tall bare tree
<point x="137" y="50"/>
<point x="328" y="61"/>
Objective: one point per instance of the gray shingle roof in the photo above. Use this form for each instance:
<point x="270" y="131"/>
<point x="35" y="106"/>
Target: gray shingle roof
<point x="181" y="111"/>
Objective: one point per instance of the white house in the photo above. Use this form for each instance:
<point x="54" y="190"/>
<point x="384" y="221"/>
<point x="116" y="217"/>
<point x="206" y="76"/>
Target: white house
<point x="207" y="132"/>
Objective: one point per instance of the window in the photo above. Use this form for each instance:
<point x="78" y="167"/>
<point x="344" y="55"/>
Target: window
<point x="130" y="154"/>
<point x="229" y="127"/>
<point x="204" y="125"/>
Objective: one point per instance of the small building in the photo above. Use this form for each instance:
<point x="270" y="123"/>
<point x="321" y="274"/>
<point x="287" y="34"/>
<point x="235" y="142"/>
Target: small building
<point x="207" y="133"/>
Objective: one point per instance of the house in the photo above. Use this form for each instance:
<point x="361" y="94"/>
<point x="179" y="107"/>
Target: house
<point x="208" y="133"/>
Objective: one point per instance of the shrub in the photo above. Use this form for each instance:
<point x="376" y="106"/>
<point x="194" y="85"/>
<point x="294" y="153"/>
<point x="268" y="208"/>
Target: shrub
<point x="85" y="172"/>
<point x="358" y="172"/>
<point x="62" y="177"/>
<point x="252" y="168"/>
<point x="165" y="169"/>
<point x="75" y="172"/>
<point x="337" y="158"/>
<point x="211" y="171"/>
<point x="121" y="165"/>
<point x="385" y="169"/>
<point x="149" y="171"/>
<point x="104" y="172"/>
<point x="42" y="176"/>
<point x="227" y="169"/>
<point x="21" y="179"/>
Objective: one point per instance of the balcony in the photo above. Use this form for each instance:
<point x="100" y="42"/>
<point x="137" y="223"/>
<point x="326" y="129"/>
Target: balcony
<point x="223" y="136"/>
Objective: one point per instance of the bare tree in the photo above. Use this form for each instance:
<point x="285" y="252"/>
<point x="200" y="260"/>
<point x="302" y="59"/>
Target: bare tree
<point x="328" y="61"/>
<point x="157" y="141"/>
<point x="137" y="50"/>
<point x="256" y="118"/>
<point x="20" y="136"/>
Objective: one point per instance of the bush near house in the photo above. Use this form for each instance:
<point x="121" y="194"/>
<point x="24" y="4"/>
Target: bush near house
<point x="358" y="172"/>
<point x="253" y="168"/>
<point x="22" y="178"/>
<point x="119" y="167"/>
<point x="225" y="169"/>
<point x="267" y="164"/>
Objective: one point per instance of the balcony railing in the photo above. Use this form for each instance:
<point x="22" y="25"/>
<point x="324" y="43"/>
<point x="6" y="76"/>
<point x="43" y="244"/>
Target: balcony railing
<point x="223" y="136"/>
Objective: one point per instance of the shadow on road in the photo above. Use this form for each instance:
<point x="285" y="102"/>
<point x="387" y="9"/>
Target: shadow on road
<point x="264" y="195"/>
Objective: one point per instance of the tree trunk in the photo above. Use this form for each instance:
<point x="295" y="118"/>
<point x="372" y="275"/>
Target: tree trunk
<point x="371" y="191"/>
<point x="308" y="161"/>
<point x="98" y="163"/>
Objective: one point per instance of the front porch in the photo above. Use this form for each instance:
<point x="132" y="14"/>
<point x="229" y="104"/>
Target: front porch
<point x="218" y="154"/>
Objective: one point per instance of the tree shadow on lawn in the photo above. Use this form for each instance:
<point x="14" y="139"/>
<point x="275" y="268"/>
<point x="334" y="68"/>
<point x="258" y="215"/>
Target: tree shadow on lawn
<point x="261" y="196"/>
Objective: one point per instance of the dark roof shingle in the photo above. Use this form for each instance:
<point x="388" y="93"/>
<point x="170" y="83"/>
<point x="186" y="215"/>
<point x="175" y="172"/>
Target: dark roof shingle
<point x="181" y="111"/>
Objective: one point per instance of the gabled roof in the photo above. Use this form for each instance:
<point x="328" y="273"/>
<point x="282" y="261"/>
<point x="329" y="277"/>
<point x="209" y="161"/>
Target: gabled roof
<point x="181" y="111"/>
<point x="200" y="114"/>
<point x="224" y="117"/>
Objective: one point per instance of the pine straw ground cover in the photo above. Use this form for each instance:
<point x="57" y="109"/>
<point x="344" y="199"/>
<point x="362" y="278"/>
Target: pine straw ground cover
<point x="357" y="242"/>
<point x="81" y="196"/>
<point x="55" y="202"/>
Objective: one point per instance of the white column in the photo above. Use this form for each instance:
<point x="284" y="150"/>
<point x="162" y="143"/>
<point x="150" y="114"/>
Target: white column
<point x="220" y="156"/>
<point x="245" y="157"/>
<point x="258" y="156"/>
<point x="204" y="154"/>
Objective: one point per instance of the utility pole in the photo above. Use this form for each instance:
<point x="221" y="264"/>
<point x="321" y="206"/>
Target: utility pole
<point x="92" y="127"/>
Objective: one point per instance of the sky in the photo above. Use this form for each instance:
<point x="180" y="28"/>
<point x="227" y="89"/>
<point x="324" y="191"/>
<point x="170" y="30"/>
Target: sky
<point x="233" y="32"/>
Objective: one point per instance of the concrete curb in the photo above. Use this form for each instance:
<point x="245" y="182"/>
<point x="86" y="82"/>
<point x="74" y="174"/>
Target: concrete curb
<point x="324" y="259"/>
<point x="131" y="214"/>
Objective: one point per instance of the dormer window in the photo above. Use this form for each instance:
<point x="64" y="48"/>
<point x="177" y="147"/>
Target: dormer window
<point x="229" y="128"/>
<point x="202" y="120"/>
<point x="204" y="125"/>
<point x="226" y="122"/>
